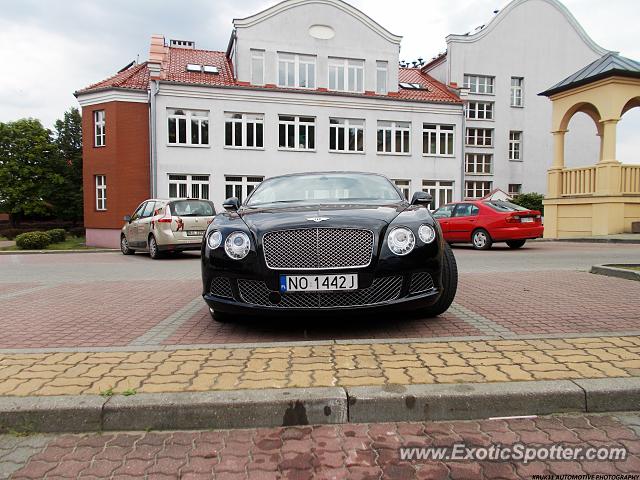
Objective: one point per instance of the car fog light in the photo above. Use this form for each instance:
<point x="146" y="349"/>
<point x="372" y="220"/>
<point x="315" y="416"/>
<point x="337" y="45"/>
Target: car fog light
<point x="237" y="245"/>
<point x="401" y="240"/>
<point x="214" y="240"/>
<point x="426" y="233"/>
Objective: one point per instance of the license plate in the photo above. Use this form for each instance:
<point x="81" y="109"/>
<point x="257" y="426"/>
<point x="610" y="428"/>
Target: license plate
<point x="195" y="233"/>
<point x="318" y="283"/>
<point x="526" y="220"/>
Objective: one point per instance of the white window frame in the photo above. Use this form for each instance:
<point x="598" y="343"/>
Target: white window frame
<point x="99" y="128"/>
<point x="299" y="63"/>
<point x="479" y="84"/>
<point x="475" y="163"/>
<point x="435" y="187"/>
<point x="480" y="110"/>
<point x="352" y="73"/>
<point x="477" y="188"/>
<point x="390" y="143"/>
<point x="190" y="182"/>
<point x="446" y="132"/>
<point x="299" y="125"/>
<point x="382" y="77"/>
<point x="192" y="118"/>
<point x="246" y="120"/>
<point x="346" y="125"/>
<point x="517" y="92"/>
<point x="244" y="183"/>
<point x="516" y="191"/>
<point x="257" y="60"/>
<point x="515" y="145"/>
<point x="404" y="186"/>
<point x="474" y="134"/>
<point x="101" y="193"/>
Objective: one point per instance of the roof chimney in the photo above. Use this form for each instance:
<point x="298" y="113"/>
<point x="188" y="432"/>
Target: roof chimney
<point x="156" y="55"/>
<point x="189" y="44"/>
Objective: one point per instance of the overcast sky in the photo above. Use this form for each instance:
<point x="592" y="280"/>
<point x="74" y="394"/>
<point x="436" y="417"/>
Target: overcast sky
<point x="50" y="48"/>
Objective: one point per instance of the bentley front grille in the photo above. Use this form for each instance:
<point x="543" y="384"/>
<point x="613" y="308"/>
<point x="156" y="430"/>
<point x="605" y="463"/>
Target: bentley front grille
<point x="420" y="282"/>
<point x="221" y="287"/>
<point x="384" y="289"/>
<point x="318" y="248"/>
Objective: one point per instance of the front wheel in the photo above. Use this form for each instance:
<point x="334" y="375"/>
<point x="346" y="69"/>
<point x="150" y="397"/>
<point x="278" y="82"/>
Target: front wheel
<point x="516" y="243"/>
<point x="124" y="246"/>
<point x="449" y="284"/>
<point x="154" y="252"/>
<point x="481" y="239"/>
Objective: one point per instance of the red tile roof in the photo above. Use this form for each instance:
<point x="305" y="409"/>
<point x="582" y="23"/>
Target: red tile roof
<point x="174" y="69"/>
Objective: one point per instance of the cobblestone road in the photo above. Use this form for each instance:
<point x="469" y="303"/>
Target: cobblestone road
<point x="354" y="452"/>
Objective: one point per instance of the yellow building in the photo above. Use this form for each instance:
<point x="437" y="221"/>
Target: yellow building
<point x="604" y="198"/>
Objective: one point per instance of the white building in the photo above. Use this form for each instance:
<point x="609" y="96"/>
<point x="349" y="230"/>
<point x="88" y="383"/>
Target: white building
<point x="525" y="48"/>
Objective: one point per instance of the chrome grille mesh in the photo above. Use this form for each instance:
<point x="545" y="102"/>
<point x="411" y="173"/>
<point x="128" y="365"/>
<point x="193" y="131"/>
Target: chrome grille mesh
<point x="318" y="248"/>
<point x="221" y="287"/>
<point x="420" y="282"/>
<point x="382" y="290"/>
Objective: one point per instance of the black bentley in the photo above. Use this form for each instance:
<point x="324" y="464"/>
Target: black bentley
<point x="330" y="241"/>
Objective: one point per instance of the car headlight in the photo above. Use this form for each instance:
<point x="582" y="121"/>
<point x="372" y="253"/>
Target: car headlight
<point x="237" y="245"/>
<point x="426" y="233"/>
<point x="214" y="240"/>
<point x="401" y="240"/>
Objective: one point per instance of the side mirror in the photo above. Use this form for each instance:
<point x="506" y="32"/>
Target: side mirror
<point x="231" y="204"/>
<point x="421" y="198"/>
<point x="127" y="218"/>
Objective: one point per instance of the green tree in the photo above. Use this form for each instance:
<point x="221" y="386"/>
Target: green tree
<point x="67" y="165"/>
<point x="532" y="201"/>
<point x="26" y="173"/>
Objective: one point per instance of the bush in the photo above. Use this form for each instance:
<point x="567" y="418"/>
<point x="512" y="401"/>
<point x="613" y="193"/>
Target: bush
<point x="76" y="231"/>
<point x="57" y="235"/>
<point x="33" y="240"/>
<point x="532" y="201"/>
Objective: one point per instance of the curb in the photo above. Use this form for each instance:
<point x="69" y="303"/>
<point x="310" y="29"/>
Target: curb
<point x="51" y="252"/>
<point x="591" y="240"/>
<point x="318" y="405"/>
<point x="611" y="271"/>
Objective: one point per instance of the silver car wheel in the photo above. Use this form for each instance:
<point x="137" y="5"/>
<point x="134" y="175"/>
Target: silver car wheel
<point x="479" y="239"/>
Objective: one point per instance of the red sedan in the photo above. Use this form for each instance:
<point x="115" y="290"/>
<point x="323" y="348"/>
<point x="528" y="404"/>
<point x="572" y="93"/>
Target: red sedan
<point x="482" y="222"/>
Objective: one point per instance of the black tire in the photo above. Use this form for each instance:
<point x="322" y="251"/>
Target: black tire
<point x="124" y="246"/>
<point x="481" y="240"/>
<point x="516" y="243"/>
<point x="154" y="252"/>
<point x="220" y="317"/>
<point x="449" y="284"/>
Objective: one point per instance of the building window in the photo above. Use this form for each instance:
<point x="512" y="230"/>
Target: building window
<point x="346" y="75"/>
<point x="479" y="84"/>
<point x="296" y="133"/>
<point x="480" y="111"/>
<point x="475" y="189"/>
<point x="394" y="137"/>
<point x="478" y="163"/>
<point x="441" y="192"/>
<point x="99" y="128"/>
<point x="479" y="137"/>
<point x="404" y="186"/>
<point x="346" y="135"/>
<point x="515" y="189"/>
<point x="189" y="186"/>
<point x="517" y="100"/>
<point x="188" y="127"/>
<point x="101" y="192"/>
<point x="240" y="187"/>
<point x="244" y="130"/>
<point x="437" y="139"/>
<point x="296" y="70"/>
<point x="257" y="67"/>
<point x="515" y="145"/>
<point x="381" y="77"/>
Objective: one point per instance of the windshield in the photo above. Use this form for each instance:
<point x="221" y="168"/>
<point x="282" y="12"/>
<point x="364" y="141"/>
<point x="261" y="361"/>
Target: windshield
<point x="325" y="188"/>
<point x="502" y="206"/>
<point x="192" y="208"/>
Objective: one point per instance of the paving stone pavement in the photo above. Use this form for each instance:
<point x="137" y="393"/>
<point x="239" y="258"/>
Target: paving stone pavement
<point x="331" y="364"/>
<point x="355" y="451"/>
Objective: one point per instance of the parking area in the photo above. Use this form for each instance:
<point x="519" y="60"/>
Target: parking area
<point x="108" y="300"/>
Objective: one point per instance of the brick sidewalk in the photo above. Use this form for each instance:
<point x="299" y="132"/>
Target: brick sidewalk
<point x="203" y="369"/>
<point x="356" y="452"/>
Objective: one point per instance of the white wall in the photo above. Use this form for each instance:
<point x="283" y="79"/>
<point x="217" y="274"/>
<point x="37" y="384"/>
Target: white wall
<point x="218" y="161"/>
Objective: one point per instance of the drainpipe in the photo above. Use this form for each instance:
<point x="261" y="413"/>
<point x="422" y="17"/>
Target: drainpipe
<point x="463" y="92"/>
<point x="153" y="149"/>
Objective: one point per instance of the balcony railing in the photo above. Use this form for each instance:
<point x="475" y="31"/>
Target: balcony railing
<point x="630" y="179"/>
<point x="579" y="181"/>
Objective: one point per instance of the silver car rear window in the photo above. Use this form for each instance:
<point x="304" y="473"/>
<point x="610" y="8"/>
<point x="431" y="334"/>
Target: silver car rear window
<point x="192" y="208"/>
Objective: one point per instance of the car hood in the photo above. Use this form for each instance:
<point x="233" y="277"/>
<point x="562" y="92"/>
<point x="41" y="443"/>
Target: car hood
<point x="371" y="217"/>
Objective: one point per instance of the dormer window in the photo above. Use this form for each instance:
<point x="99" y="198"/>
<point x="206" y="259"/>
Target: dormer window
<point x="197" y="68"/>
<point x="257" y="67"/>
<point x="346" y="75"/>
<point x="296" y="71"/>
<point x="381" y="77"/>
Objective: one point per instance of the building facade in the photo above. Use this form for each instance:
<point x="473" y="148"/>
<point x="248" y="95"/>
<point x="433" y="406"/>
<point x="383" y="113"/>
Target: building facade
<point x="502" y="66"/>
<point x="327" y="96"/>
